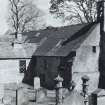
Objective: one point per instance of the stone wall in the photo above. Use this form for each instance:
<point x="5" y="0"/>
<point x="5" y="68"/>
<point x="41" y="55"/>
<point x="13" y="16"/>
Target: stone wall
<point x="86" y="61"/>
<point x="9" y="73"/>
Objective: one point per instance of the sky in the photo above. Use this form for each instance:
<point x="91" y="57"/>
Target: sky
<point x="42" y="4"/>
<point x="3" y="13"/>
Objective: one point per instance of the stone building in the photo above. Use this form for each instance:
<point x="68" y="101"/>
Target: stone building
<point x="66" y="51"/>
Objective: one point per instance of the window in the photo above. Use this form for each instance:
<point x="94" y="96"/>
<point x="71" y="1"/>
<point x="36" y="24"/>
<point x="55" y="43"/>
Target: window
<point x="94" y="49"/>
<point x="22" y="66"/>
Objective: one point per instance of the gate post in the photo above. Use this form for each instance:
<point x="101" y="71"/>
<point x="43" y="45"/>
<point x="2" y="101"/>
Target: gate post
<point x="59" y="90"/>
<point x="85" y="85"/>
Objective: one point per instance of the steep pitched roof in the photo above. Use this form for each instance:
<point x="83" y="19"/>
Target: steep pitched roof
<point x="61" y="41"/>
<point x="52" y="42"/>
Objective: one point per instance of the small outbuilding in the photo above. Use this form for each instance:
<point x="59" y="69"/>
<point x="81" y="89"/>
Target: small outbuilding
<point x="56" y="53"/>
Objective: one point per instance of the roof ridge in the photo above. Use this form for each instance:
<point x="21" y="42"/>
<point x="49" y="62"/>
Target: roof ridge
<point x="83" y="30"/>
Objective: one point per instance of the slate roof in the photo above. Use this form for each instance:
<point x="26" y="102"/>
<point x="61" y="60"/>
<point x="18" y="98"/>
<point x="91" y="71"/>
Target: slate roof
<point x="35" y="36"/>
<point x="51" y="42"/>
<point x="61" y="41"/>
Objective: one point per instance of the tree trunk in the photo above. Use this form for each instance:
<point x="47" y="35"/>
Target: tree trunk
<point x="16" y="34"/>
<point x="102" y="51"/>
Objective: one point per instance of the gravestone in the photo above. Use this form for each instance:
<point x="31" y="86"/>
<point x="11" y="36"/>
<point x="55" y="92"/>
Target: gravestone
<point x="97" y="97"/>
<point x="36" y="83"/>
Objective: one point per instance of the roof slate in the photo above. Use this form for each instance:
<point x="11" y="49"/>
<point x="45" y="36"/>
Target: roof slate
<point x="62" y="41"/>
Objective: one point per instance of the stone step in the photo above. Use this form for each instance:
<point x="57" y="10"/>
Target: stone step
<point x="51" y="93"/>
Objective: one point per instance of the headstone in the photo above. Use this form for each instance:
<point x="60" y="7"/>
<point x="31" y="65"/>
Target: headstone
<point x="7" y="100"/>
<point x="36" y="83"/>
<point x="23" y="97"/>
<point x="97" y="97"/>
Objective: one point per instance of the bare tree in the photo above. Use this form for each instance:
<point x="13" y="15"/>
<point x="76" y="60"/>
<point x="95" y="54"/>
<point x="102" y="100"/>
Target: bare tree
<point x="81" y="11"/>
<point x="23" y="15"/>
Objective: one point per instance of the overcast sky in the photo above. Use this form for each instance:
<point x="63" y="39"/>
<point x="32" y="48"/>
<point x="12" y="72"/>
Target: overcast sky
<point x="3" y="13"/>
<point x="42" y="4"/>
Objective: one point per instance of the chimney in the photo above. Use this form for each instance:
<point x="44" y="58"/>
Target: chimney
<point x="17" y="42"/>
<point x="19" y="37"/>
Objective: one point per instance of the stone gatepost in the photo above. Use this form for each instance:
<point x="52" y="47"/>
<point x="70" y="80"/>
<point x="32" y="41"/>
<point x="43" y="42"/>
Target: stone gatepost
<point x="85" y="85"/>
<point x="59" y="90"/>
